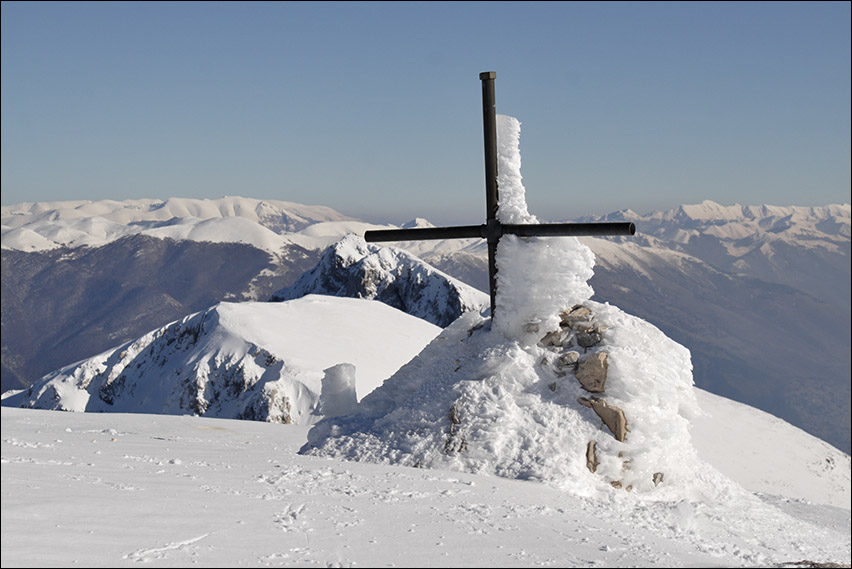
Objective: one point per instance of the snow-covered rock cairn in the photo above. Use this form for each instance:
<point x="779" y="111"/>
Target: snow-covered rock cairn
<point x="557" y="388"/>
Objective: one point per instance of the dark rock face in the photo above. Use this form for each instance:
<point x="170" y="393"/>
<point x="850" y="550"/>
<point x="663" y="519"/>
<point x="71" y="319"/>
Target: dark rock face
<point x="182" y="368"/>
<point x="354" y="268"/>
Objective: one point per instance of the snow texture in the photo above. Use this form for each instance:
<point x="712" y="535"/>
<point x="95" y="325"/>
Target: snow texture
<point x="337" y="395"/>
<point x="48" y="225"/>
<point x="122" y="490"/>
<point x="537" y="277"/>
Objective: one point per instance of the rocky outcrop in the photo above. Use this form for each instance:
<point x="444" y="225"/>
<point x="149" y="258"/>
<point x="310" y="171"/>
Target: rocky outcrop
<point x="578" y="329"/>
<point x="591" y="372"/>
<point x="613" y="417"/>
<point x="354" y="268"/>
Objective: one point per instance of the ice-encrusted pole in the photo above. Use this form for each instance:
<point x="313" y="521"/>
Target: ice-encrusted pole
<point x="494" y="228"/>
<point x="489" y="128"/>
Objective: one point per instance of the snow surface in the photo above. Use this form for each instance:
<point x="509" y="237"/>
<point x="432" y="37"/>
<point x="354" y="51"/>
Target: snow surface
<point x="487" y="399"/>
<point x="117" y="490"/>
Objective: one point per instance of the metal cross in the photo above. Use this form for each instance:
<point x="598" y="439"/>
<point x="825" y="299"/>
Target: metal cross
<point x="492" y="229"/>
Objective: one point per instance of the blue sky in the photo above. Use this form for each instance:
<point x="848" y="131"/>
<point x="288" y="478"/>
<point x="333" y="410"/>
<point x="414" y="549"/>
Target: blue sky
<point x="374" y="109"/>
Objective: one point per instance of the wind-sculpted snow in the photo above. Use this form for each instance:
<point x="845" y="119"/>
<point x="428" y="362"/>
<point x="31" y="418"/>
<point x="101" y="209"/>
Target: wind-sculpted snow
<point x="354" y="268"/>
<point x="255" y="361"/>
<point x="486" y="397"/>
<point x="519" y="419"/>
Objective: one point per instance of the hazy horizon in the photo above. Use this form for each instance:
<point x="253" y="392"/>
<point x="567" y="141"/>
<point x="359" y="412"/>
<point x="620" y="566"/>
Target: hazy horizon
<point x="374" y="108"/>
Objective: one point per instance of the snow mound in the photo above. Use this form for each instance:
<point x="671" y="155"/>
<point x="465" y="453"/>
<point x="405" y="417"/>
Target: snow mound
<point x="476" y="401"/>
<point x="560" y="389"/>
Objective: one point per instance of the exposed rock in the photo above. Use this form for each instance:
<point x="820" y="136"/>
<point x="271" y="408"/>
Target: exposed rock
<point x="454" y="415"/>
<point x="454" y="419"/>
<point x="566" y="362"/>
<point x="819" y="564"/>
<point x="591" y="372"/>
<point x="578" y="313"/>
<point x="591" y="456"/>
<point x="658" y="477"/>
<point x="354" y="268"/>
<point x="589" y="335"/>
<point x="454" y="443"/>
<point x="558" y="338"/>
<point x="613" y="417"/>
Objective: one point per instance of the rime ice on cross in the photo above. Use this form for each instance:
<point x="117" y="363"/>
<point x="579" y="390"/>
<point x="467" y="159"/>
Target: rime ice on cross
<point x="492" y="229"/>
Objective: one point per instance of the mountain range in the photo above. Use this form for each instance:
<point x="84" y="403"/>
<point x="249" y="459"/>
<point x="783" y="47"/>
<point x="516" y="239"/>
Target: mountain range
<point x="759" y="294"/>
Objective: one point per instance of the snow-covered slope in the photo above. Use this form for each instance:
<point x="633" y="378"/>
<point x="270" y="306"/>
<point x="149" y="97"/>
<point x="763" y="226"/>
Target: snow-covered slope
<point x="120" y="490"/>
<point x="258" y="361"/>
<point x="354" y="268"/>
<point x="520" y="395"/>
<point x="767" y="455"/>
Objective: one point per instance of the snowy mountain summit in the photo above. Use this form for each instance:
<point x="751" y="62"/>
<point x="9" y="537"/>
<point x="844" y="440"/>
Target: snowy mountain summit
<point x="253" y="361"/>
<point x="555" y="388"/>
<point x="354" y="268"/>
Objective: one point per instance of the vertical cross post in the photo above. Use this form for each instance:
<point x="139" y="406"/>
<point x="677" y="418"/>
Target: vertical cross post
<point x="489" y="126"/>
<point x="492" y="229"/>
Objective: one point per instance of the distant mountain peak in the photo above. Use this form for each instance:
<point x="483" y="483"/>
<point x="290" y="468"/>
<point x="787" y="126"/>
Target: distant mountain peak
<point x="354" y="268"/>
<point x="417" y="222"/>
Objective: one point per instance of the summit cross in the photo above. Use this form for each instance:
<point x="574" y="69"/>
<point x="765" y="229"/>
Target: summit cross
<point x="492" y="229"/>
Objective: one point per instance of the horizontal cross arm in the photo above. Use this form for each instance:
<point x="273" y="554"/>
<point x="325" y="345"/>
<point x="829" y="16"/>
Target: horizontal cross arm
<point x="522" y="230"/>
<point x="418" y="233"/>
<point x="573" y="229"/>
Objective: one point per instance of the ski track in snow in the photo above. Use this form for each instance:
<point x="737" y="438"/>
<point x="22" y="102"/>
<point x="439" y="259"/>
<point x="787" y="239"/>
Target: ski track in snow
<point x="147" y="555"/>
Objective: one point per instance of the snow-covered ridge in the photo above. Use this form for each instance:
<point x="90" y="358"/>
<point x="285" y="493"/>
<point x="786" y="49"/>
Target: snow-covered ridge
<point x="47" y="225"/>
<point x="354" y="268"/>
<point x="255" y="361"/>
<point x="737" y="222"/>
